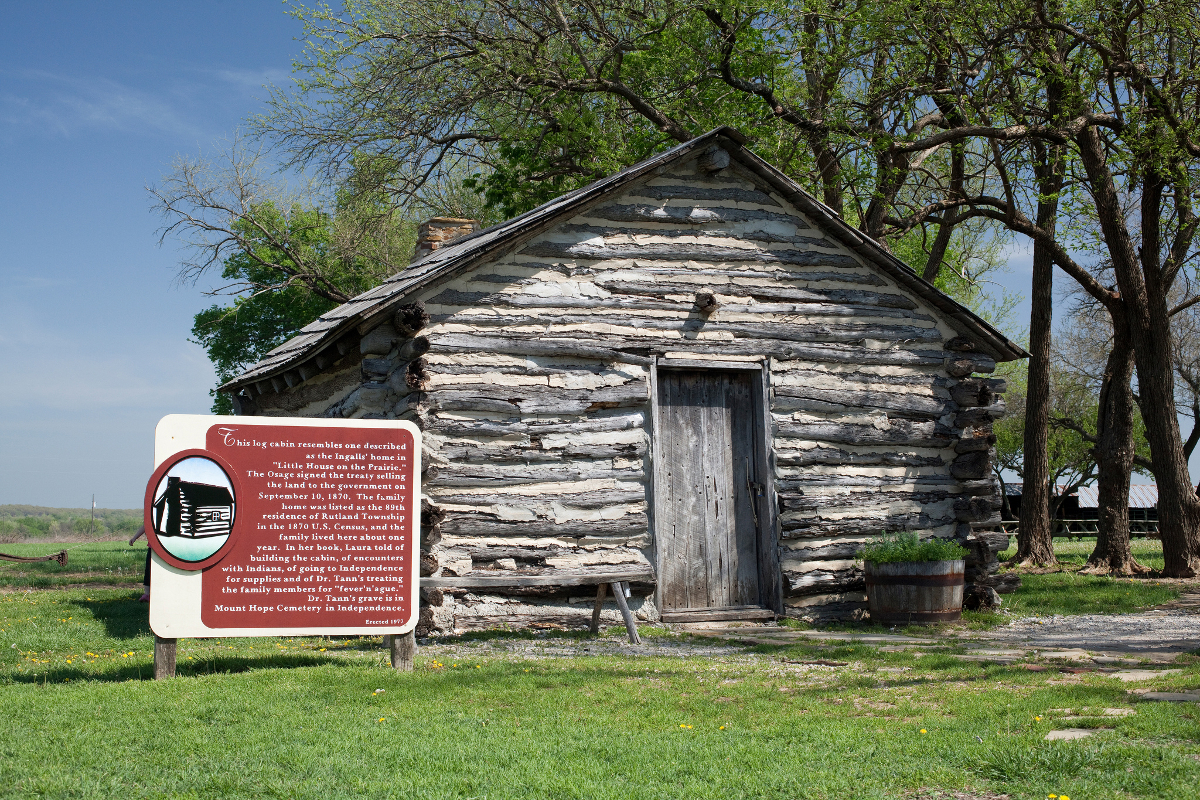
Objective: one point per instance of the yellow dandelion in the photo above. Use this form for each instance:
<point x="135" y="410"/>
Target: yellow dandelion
<point x="381" y="719"/>
<point x="722" y="727"/>
<point x="924" y="731"/>
<point x="1051" y="797"/>
<point x="1063" y="796"/>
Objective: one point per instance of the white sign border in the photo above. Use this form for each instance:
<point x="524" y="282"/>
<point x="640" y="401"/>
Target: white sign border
<point x="175" y="594"/>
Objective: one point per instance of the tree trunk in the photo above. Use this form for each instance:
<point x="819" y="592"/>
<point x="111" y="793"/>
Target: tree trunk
<point x="1035" y="544"/>
<point x="1139" y="279"/>
<point x="1114" y="460"/>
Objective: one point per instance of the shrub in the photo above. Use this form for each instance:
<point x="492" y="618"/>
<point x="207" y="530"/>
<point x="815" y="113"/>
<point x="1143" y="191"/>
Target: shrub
<point x="899" y="547"/>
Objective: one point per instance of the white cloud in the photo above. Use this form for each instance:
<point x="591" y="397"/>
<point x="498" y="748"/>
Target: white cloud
<point x="254" y="78"/>
<point x="68" y="104"/>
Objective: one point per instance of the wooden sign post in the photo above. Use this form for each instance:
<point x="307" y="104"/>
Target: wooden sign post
<point x="264" y="526"/>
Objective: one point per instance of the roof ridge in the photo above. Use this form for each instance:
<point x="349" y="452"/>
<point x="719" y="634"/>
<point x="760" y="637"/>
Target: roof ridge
<point x="329" y="327"/>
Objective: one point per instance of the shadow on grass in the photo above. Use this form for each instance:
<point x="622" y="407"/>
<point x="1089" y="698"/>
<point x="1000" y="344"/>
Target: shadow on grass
<point x="123" y="618"/>
<point x="221" y="665"/>
<point x="608" y="633"/>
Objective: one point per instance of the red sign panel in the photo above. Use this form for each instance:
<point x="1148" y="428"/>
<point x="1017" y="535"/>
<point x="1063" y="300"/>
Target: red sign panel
<point x="325" y="528"/>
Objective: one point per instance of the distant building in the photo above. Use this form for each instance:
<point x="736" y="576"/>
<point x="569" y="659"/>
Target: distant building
<point x="1080" y="510"/>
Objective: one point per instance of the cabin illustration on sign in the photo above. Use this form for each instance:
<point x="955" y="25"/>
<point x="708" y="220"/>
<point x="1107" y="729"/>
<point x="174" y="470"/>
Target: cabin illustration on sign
<point x="193" y="510"/>
<point x="690" y="376"/>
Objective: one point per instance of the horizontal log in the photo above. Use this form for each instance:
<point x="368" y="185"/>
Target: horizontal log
<point x="538" y="399"/>
<point x="690" y="191"/>
<point x="460" y="428"/>
<point x="518" y="454"/>
<point x="862" y="526"/>
<point x="816" y="308"/>
<point x="479" y="475"/>
<point x="790" y="374"/>
<point x="821" y="353"/>
<point x="462" y="524"/>
<point x="901" y="433"/>
<point x="773" y="273"/>
<point x="563" y="371"/>
<point x="791" y="500"/>
<point x="838" y="457"/>
<point x="526" y="555"/>
<point x="717" y="615"/>
<point x="823" y="581"/>
<point x="598" y="498"/>
<point x="557" y="578"/>
<point x="466" y="343"/>
<point x="786" y="331"/>
<point x="899" y="402"/>
<point x="799" y="345"/>
<point x="379" y="340"/>
<point x="690" y="215"/>
<point x="376" y="369"/>
<point x="757" y="237"/>
<point x="853" y="297"/>
<point x="687" y="252"/>
<point x="825" y="480"/>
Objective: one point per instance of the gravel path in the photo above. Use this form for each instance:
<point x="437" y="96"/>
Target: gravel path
<point x="1173" y="631"/>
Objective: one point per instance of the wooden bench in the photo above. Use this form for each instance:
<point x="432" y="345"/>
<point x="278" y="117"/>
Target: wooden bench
<point x="617" y="580"/>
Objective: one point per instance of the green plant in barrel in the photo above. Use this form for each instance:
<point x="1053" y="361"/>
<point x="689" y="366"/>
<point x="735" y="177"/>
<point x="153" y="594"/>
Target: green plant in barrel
<point x="912" y="580"/>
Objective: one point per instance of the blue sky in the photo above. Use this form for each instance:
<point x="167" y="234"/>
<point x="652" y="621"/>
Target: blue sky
<point x="96" y="99"/>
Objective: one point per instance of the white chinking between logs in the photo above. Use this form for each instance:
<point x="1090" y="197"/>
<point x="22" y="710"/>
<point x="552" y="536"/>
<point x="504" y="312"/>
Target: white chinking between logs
<point x="530" y="376"/>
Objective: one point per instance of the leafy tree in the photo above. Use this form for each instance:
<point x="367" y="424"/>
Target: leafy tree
<point x="859" y="98"/>
<point x="285" y="258"/>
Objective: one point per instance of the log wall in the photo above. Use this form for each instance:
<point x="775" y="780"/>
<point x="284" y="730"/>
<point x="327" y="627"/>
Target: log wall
<point x="530" y="377"/>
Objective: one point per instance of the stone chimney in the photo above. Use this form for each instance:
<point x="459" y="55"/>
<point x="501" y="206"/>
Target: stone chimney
<point x="439" y="232"/>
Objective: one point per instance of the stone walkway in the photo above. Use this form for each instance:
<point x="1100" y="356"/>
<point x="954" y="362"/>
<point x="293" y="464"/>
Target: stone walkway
<point x="1113" y="642"/>
<point x="1156" y="636"/>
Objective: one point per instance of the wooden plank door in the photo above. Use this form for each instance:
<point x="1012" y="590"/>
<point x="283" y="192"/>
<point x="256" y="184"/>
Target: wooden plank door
<point x="706" y="519"/>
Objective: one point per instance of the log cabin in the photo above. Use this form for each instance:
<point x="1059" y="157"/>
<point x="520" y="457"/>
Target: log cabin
<point x="690" y="378"/>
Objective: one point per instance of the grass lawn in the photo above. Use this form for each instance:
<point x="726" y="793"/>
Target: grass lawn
<point x="1066" y="592"/>
<point x="302" y="718"/>
<point x="112" y="563"/>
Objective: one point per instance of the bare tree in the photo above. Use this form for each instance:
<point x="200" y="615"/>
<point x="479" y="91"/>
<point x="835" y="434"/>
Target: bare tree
<point x="230" y="206"/>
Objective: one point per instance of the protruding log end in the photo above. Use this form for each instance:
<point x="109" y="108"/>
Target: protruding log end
<point x="960" y="344"/>
<point x="706" y="302"/>
<point x="971" y="466"/>
<point x="411" y="318"/>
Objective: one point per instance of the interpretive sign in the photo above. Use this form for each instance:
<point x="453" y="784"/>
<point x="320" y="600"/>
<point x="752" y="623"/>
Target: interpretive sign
<point x="265" y="526"/>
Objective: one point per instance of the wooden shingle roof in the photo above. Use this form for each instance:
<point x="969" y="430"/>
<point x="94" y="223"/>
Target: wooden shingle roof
<point x="374" y="306"/>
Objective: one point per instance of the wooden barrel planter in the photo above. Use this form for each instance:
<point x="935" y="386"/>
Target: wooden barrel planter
<point x="915" y="592"/>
